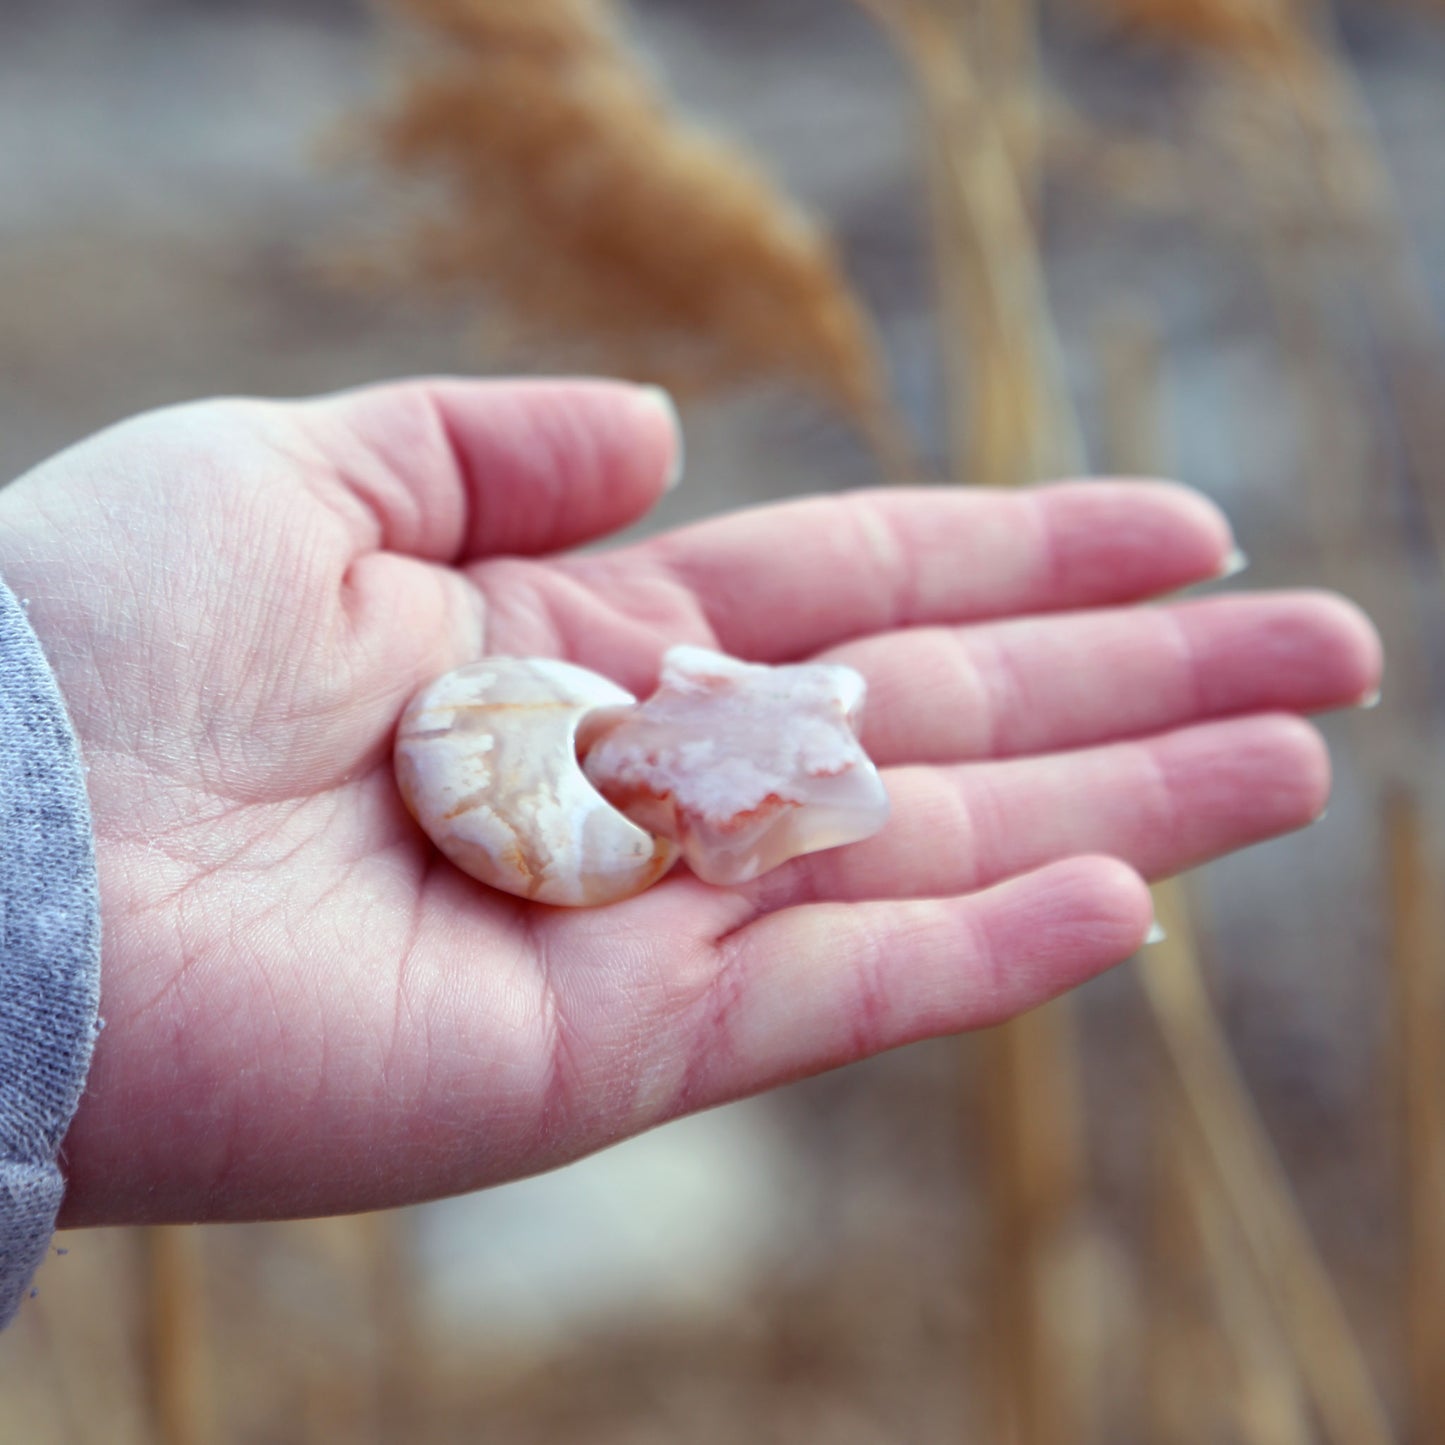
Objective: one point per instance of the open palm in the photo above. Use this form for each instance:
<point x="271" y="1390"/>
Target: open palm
<point x="309" y="1011"/>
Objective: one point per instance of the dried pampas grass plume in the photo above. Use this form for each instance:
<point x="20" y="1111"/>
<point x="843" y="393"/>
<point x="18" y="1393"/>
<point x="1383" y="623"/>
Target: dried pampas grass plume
<point x="1244" y="27"/>
<point x="599" y="227"/>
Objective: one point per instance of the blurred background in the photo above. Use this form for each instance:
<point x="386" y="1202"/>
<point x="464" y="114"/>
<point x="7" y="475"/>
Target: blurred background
<point x="981" y="240"/>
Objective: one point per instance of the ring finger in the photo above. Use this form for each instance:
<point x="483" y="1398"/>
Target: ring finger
<point x="1161" y="805"/>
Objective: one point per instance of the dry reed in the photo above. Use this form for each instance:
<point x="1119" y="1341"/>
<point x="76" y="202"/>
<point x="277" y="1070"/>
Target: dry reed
<point x="1196" y="1241"/>
<point x="600" y="227"/>
<point x="1314" y="143"/>
<point x="1216" y="1361"/>
<point x="1262" y="1391"/>
<point x="1232" y="1161"/>
<point x="396" y="1353"/>
<point x="1320" y="218"/>
<point x="1250" y="1178"/>
<point x="180" y="1367"/>
<point x="1260" y="28"/>
<point x="1419" y="1034"/>
<point x="1010" y="419"/>
<point x="1035" y="1156"/>
<point x="1184" y="1374"/>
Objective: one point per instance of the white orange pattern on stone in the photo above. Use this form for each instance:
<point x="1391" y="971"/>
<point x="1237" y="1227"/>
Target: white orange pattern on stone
<point x="549" y="782"/>
<point x="742" y="766"/>
<point x="486" y="760"/>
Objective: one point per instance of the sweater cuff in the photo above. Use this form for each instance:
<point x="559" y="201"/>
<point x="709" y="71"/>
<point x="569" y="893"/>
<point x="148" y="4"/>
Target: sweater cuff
<point x="49" y="947"/>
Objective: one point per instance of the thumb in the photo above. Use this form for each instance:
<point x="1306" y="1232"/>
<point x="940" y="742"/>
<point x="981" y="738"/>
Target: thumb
<point x="457" y="470"/>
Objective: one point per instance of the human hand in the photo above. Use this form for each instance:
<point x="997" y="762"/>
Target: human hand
<point x="309" y="1011"/>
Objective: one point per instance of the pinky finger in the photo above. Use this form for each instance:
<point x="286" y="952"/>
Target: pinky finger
<point x="814" y="987"/>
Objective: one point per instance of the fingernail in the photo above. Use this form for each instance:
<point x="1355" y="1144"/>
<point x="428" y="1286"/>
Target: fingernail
<point x="1233" y="564"/>
<point x="1370" y="700"/>
<point x="1156" y="934"/>
<point x="661" y="398"/>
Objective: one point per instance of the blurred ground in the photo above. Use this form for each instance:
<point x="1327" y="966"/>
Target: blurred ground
<point x="164" y="222"/>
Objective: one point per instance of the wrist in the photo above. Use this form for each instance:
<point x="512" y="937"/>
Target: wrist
<point x="49" y="945"/>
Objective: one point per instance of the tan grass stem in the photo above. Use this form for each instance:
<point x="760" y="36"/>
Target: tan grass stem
<point x="1243" y="1166"/>
<point x="1321" y="144"/>
<point x="1267" y="1403"/>
<point x="1251" y="1180"/>
<point x="1263" y="1392"/>
<point x="178" y="1361"/>
<point x="1011" y="416"/>
<point x="1034" y="1179"/>
<point x="1010" y="419"/>
<point x="1182" y="1367"/>
<point x="1418" y="978"/>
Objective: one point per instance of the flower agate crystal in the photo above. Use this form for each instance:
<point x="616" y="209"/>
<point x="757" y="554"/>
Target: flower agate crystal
<point x="743" y="767"/>
<point x="549" y="782"/>
<point x="486" y="760"/>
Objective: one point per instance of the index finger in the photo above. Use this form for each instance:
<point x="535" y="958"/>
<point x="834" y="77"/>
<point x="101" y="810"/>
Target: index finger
<point x="781" y="582"/>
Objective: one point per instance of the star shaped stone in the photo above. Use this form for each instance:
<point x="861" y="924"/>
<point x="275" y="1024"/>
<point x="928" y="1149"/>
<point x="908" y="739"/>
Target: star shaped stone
<point x="742" y="766"/>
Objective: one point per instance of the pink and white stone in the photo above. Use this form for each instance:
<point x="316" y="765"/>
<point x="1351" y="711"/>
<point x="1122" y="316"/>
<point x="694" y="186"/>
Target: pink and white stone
<point x="486" y="760"/>
<point x="548" y="781"/>
<point x="742" y="766"/>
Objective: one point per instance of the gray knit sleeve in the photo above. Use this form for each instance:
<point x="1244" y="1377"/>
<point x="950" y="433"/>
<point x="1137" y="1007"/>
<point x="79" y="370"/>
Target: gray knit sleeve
<point x="49" y="948"/>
